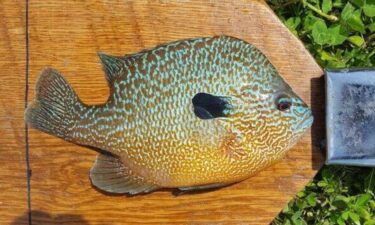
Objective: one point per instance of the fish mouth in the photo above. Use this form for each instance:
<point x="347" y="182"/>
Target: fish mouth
<point x="305" y="123"/>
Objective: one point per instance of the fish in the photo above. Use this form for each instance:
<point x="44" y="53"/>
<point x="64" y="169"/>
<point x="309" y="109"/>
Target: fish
<point x="192" y="114"/>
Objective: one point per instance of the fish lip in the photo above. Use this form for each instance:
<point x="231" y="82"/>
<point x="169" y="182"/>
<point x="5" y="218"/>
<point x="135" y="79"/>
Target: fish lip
<point x="305" y="123"/>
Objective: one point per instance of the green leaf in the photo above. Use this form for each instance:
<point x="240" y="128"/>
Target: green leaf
<point x="357" y="40"/>
<point x="341" y="202"/>
<point x="372" y="204"/>
<point x="288" y="208"/>
<point x="324" y="55"/>
<point x="354" y="217"/>
<point x="347" y="11"/>
<point x="363" y="199"/>
<point x="369" y="222"/>
<point x="340" y="221"/>
<point x="301" y="204"/>
<point x="369" y="8"/>
<point x="301" y="194"/>
<point x="292" y="23"/>
<point x="337" y="35"/>
<point x="343" y="198"/>
<point x="352" y="18"/>
<point x="345" y="215"/>
<point x="309" y="22"/>
<point x="337" y="3"/>
<point x="363" y="213"/>
<point x="370" y="179"/>
<point x="311" y="199"/>
<point x="335" y="64"/>
<point x="319" y="33"/>
<point x="355" y="22"/>
<point x="326" y="6"/>
<point x="358" y="3"/>
<point x="327" y="57"/>
<point x="297" y="220"/>
<point x="371" y="27"/>
<point x="327" y="174"/>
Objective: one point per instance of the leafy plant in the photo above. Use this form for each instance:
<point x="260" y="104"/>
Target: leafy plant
<point x="339" y="34"/>
<point x="337" y="195"/>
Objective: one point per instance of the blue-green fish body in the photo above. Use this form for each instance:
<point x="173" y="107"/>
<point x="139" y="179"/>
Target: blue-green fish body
<point x="190" y="114"/>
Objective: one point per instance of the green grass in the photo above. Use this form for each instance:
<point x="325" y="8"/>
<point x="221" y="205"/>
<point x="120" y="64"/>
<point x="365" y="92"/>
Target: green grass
<point x="339" y="34"/>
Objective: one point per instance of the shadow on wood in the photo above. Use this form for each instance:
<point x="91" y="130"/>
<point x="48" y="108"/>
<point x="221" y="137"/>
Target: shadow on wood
<point x="318" y="133"/>
<point x="40" y="218"/>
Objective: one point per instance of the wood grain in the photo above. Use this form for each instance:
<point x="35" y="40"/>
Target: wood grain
<point x="13" y="188"/>
<point x="67" y="34"/>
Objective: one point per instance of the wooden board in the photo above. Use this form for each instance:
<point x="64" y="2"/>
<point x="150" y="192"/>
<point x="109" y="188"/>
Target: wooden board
<point x="67" y="34"/>
<point x="13" y="180"/>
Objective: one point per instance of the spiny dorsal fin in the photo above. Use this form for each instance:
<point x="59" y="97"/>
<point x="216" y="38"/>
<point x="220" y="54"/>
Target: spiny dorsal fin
<point x="111" y="175"/>
<point x="113" y="66"/>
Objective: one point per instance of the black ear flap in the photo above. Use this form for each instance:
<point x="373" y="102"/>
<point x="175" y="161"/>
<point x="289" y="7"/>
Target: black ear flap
<point x="208" y="106"/>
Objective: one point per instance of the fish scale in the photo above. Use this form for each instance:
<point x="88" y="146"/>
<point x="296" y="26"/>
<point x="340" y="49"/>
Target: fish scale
<point x="150" y="126"/>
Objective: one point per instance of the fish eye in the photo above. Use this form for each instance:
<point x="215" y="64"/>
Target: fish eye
<point x="283" y="103"/>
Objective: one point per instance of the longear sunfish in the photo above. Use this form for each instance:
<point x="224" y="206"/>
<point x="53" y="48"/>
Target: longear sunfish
<point x="192" y="114"/>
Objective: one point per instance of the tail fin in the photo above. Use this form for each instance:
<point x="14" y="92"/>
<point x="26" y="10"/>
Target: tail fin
<point x="56" y="106"/>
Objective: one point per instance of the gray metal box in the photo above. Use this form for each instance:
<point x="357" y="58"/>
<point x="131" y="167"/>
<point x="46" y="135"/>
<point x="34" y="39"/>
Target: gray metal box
<point x="350" y="117"/>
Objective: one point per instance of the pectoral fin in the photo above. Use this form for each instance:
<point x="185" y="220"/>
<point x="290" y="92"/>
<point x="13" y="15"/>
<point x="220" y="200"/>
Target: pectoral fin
<point x="111" y="175"/>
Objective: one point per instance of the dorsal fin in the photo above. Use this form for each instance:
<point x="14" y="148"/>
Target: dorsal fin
<point x="113" y="66"/>
<point x="109" y="174"/>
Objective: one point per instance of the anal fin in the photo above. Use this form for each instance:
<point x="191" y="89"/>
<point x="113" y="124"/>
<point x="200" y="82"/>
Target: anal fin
<point x="109" y="174"/>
